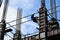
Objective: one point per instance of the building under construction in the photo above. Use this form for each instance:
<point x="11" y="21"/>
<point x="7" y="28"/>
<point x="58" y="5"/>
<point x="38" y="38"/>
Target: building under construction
<point x="48" y="29"/>
<point x="46" y="33"/>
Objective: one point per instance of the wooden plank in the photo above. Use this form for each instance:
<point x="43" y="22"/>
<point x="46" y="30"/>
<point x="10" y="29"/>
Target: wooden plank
<point x="42" y="35"/>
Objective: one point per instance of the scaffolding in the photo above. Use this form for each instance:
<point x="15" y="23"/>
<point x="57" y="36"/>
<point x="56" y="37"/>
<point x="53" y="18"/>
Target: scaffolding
<point x="43" y="34"/>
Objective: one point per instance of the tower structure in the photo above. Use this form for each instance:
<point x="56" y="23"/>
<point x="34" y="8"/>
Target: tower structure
<point x="17" y="35"/>
<point x="43" y="20"/>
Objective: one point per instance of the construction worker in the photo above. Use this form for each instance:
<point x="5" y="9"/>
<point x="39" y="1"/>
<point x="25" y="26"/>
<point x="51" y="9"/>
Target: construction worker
<point x="53" y="24"/>
<point x="34" y="19"/>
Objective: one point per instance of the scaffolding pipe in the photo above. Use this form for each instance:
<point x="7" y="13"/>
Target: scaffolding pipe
<point x="3" y="23"/>
<point x="5" y="9"/>
<point x="53" y="5"/>
<point x="55" y="9"/>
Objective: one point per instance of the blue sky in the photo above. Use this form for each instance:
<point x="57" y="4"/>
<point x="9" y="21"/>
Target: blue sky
<point x="28" y="7"/>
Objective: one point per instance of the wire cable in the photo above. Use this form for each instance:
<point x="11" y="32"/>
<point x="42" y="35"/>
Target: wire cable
<point x="17" y="24"/>
<point x="30" y="34"/>
<point x="9" y="35"/>
<point x="24" y="22"/>
<point x="21" y="18"/>
<point x="27" y="21"/>
<point x="20" y="23"/>
<point x="30" y="15"/>
<point x="11" y="26"/>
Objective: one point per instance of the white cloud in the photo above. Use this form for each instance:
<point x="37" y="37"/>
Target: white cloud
<point x="11" y="14"/>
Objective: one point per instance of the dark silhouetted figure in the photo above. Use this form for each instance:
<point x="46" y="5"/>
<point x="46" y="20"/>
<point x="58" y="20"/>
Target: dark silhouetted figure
<point x="4" y="29"/>
<point x="53" y="24"/>
<point x="34" y="19"/>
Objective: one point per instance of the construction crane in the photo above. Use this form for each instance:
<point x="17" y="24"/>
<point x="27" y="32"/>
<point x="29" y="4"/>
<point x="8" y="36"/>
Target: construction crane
<point x="3" y="22"/>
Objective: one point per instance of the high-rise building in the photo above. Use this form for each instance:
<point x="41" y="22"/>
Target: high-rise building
<point x="17" y="35"/>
